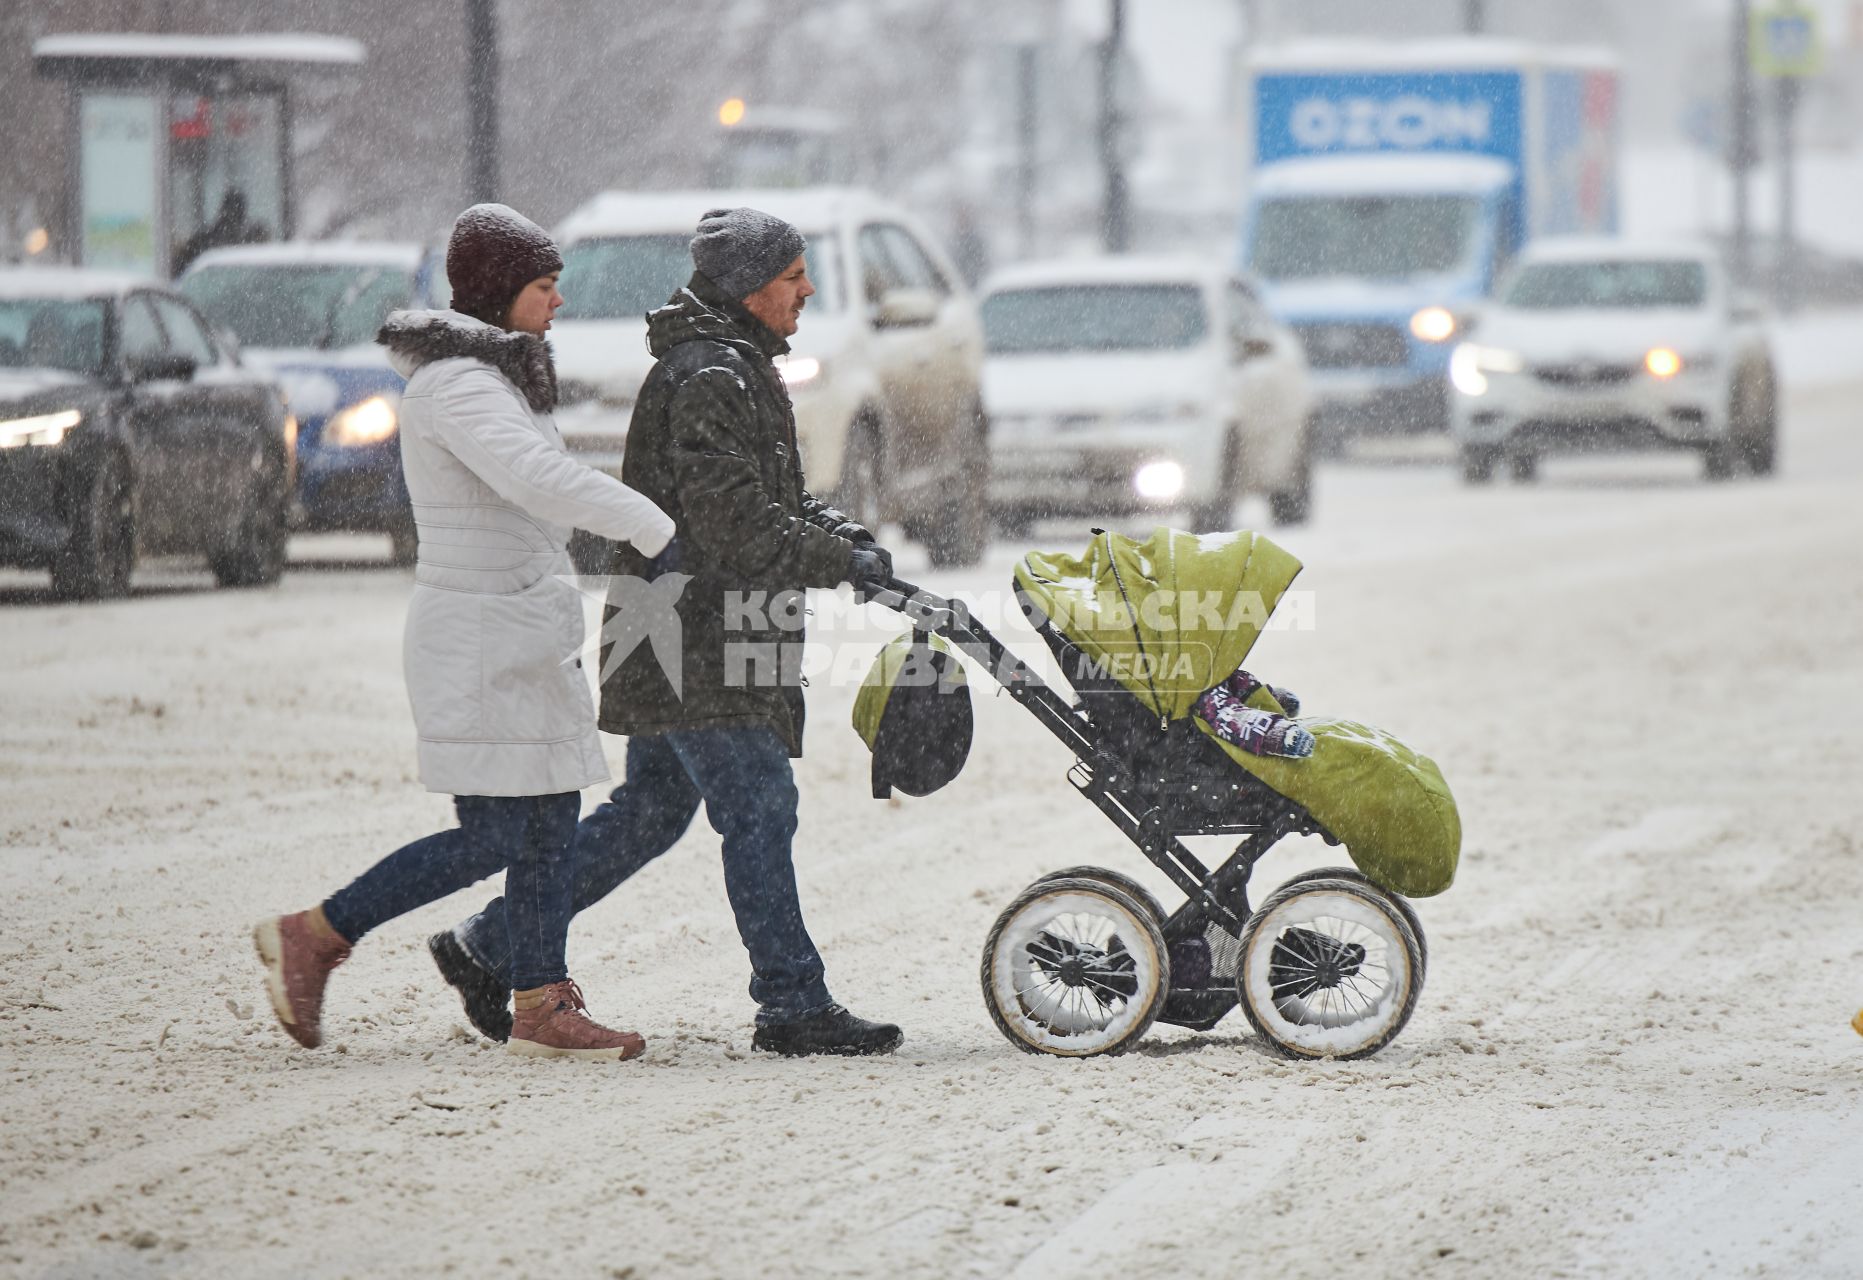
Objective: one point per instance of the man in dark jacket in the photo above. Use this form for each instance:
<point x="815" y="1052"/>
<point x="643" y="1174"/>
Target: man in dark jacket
<point x="713" y="442"/>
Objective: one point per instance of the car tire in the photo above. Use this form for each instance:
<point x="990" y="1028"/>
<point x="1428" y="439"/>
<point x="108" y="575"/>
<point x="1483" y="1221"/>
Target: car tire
<point x="1524" y="467"/>
<point x="859" y="490"/>
<point x="1755" y="423"/>
<point x="1218" y="514"/>
<point x="961" y="532"/>
<point x="1478" y="464"/>
<point x="257" y="556"/>
<point x="1719" y="459"/>
<point x="403" y="541"/>
<point x="99" y="556"/>
<point x="1294" y="504"/>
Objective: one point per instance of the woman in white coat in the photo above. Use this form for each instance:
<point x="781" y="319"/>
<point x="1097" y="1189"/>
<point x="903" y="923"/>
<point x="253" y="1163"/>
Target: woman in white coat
<point x="503" y="712"/>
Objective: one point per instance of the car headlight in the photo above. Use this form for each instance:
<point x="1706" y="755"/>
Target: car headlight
<point x="1662" y="362"/>
<point x="1470" y="365"/>
<point x="797" y="370"/>
<point x="46" y="429"/>
<point x="1433" y="324"/>
<point x="369" y="421"/>
<point x="1159" y="480"/>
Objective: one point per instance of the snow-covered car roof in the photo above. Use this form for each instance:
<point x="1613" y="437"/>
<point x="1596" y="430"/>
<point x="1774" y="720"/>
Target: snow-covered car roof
<point x="1124" y="269"/>
<point x="1450" y="53"/>
<point x="302" y="48"/>
<point x="359" y="253"/>
<point x="69" y="282"/>
<point x="811" y="209"/>
<point x="1620" y="249"/>
<point x="1362" y="175"/>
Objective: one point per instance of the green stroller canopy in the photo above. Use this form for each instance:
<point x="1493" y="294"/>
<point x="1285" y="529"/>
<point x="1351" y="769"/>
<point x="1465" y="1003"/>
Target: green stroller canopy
<point x="1172" y="616"/>
<point x="1169" y="617"/>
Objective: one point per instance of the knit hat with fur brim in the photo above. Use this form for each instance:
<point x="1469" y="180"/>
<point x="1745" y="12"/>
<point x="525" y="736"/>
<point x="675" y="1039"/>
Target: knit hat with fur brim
<point x="741" y="250"/>
<point x="493" y="253"/>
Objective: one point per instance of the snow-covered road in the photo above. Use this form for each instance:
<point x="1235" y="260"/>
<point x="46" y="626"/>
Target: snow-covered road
<point x="1632" y="1057"/>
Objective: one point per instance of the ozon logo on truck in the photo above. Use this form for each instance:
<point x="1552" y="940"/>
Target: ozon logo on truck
<point x="1409" y="122"/>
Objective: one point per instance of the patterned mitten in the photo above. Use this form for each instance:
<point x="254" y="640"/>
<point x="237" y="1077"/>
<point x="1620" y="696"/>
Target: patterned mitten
<point x="1242" y="684"/>
<point x="1261" y="733"/>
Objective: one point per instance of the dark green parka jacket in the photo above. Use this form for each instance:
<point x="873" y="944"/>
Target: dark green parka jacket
<point x="713" y="443"/>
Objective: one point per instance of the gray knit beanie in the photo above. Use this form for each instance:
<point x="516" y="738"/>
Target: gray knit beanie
<point x="742" y="250"/>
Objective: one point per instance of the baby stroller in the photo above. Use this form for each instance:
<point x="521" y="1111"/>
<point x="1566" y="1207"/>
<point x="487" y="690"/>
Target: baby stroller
<point x="1084" y="960"/>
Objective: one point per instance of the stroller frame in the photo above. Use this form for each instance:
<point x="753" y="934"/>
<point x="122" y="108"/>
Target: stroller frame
<point x="1168" y="782"/>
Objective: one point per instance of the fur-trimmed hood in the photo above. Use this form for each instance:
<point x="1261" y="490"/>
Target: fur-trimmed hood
<point x="416" y="338"/>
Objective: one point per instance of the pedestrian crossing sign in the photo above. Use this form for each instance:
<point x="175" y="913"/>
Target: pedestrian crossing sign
<point x="1784" y="42"/>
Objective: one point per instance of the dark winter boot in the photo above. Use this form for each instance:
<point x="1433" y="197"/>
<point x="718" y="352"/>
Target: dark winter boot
<point x="833" y="1030"/>
<point x="487" y="1000"/>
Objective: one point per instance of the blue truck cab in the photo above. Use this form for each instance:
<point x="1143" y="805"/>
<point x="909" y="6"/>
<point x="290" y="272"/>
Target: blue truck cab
<point x="1392" y="184"/>
<point x="307" y="314"/>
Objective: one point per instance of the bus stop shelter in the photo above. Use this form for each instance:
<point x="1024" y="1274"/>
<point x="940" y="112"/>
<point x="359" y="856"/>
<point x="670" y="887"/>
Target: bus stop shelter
<point x="178" y="141"/>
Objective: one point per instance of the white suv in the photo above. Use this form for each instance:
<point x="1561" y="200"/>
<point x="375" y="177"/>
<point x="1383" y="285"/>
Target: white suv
<point x="1606" y="344"/>
<point x="885" y="370"/>
<point x="1125" y="385"/>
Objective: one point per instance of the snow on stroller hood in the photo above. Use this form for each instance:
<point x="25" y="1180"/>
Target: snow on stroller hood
<point x="1172" y="616"/>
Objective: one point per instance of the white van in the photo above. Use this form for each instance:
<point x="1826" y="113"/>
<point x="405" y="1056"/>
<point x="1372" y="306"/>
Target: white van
<point x="885" y="371"/>
<point x="1124" y="385"/>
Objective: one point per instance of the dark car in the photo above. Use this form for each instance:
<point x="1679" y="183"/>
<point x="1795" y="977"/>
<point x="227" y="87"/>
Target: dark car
<point x="127" y="429"/>
<point x="306" y="313"/>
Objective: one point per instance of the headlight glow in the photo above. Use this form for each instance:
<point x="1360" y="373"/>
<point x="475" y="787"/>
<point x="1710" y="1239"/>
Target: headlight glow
<point x="797" y="370"/>
<point x="1470" y="365"/>
<point x="1159" y="480"/>
<point x="1662" y="362"/>
<point x="1433" y="324"/>
<point x="47" y="429"/>
<point x="369" y="422"/>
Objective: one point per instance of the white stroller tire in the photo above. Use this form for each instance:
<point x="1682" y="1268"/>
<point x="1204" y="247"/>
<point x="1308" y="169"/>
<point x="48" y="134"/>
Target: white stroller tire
<point x="1118" y="880"/>
<point x="1075" y="968"/>
<point x="1329" y="969"/>
<point x="1396" y="899"/>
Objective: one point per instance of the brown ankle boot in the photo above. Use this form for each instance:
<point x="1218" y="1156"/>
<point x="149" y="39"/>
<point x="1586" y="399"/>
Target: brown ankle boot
<point x="560" y="1027"/>
<point x="298" y="958"/>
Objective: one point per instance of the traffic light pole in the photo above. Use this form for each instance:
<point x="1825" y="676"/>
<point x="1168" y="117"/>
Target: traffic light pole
<point x="1740" y="141"/>
<point x="1115" y="217"/>
<point x="1785" y="267"/>
<point x="1026" y="140"/>
<point x="482" y="100"/>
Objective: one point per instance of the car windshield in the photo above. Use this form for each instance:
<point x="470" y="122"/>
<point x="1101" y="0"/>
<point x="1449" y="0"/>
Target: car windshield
<point x="52" y="333"/>
<point x="1093" y="317"/>
<point x="625" y="277"/>
<point x="1362" y="237"/>
<point x="1553" y="286"/>
<point x="299" y="306"/>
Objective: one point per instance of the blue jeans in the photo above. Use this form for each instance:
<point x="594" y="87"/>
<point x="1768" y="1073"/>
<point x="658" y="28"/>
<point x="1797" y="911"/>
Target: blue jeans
<point x="744" y="778"/>
<point x="530" y="838"/>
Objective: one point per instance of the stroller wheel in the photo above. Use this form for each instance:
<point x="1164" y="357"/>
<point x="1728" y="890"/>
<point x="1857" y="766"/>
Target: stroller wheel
<point x="1329" y="969"/>
<point x="1075" y="967"/>
<point x="1118" y="880"/>
<point x="1409" y="913"/>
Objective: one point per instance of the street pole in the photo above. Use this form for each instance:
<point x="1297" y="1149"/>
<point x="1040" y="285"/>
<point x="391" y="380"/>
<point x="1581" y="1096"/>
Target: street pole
<point x="1785" y="264"/>
<point x="1115" y="218"/>
<point x="1474" y="16"/>
<point x="482" y="100"/>
<point x="1025" y="149"/>
<point x="1740" y="141"/>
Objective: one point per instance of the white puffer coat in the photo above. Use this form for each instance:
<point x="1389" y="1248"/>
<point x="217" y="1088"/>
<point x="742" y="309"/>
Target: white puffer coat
<point x="500" y="700"/>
